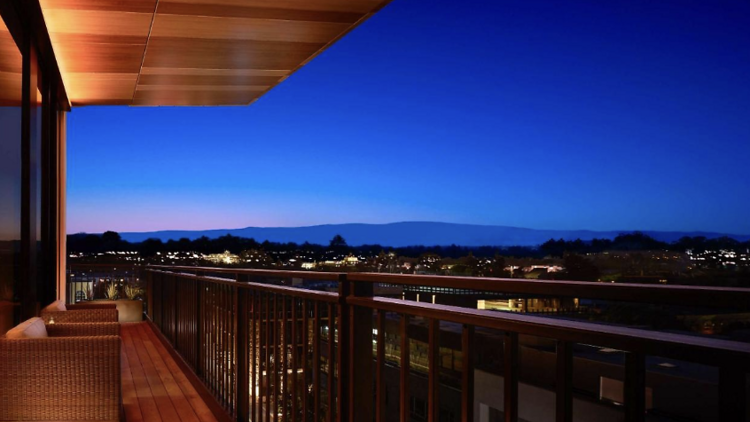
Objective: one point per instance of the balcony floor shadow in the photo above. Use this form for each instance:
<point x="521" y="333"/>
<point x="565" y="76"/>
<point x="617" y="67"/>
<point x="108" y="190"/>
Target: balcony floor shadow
<point x="153" y="386"/>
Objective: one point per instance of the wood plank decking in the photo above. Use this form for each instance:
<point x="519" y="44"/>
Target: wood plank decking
<point x="154" y="388"/>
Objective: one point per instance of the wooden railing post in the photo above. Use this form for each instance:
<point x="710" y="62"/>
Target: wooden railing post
<point x="404" y="370"/>
<point x="510" y="374"/>
<point x="359" y="373"/>
<point x="160" y="312"/>
<point x="433" y="412"/>
<point x="150" y="294"/>
<point x="380" y="392"/>
<point x="467" y="374"/>
<point x="342" y="348"/>
<point x="564" y="383"/>
<point x="732" y="394"/>
<point x="199" y="355"/>
<point x="635" y="387"/>
<point x="173" y="301"/>
<point x="241" y="356"/>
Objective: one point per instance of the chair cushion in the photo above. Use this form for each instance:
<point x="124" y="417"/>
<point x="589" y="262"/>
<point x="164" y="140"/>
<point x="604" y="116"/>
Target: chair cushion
<point x="55" y="306"/>
<point x="32" y="328"/>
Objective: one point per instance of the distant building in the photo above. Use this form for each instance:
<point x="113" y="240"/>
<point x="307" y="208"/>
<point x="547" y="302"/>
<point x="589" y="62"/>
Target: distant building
<point x="530" y="305"/>
<point x="223" y="258"/>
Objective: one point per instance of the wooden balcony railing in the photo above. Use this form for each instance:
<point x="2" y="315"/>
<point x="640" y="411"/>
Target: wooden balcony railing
<point x="269" y="351"/>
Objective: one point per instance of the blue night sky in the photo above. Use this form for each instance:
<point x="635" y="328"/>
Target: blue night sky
<point x="543" y="114"/>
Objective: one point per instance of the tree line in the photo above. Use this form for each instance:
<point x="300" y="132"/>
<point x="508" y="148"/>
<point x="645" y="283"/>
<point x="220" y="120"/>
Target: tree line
<point x="112" y="241"/>
<point x="638" y="241"/>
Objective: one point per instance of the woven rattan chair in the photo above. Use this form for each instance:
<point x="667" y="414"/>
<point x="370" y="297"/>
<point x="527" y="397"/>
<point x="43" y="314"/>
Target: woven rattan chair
<point x="74" y="374"/>
<point x="61" y="313"/>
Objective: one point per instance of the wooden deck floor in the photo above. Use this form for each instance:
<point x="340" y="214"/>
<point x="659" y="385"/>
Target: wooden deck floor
<point x="154" y="388"/>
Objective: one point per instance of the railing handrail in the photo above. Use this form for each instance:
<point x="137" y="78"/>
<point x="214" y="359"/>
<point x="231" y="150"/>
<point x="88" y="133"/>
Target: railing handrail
<point x="698" y="296"/>
<point x="99" y="265"/>
<point x="725" y="297"/>
<point x="309" y="275"/>
<point x="686" y="347"/>
<point x="331" y="297"/>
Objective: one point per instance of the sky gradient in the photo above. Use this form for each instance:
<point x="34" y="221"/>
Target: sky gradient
<point x="616" y="115"/>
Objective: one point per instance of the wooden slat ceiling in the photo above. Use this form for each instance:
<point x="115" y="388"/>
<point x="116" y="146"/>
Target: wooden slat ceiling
<point x="190" y="52"/>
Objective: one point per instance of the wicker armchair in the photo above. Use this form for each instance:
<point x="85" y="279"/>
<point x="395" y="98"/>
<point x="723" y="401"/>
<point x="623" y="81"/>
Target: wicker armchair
<point x="60" y="313"/>
<point x="83" y="330"/>
<point x="74" y="374"/>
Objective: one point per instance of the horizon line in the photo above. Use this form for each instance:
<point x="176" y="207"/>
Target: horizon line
<point x="422" y="222"/>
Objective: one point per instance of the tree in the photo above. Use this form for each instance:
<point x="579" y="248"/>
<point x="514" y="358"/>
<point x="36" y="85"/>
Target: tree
<point x="431" y="263"/>
<point x="151" y="246"/>
<point x="338" y="243"/>
<point x="110" y="237"/>
<point x="497" y="267"/>
<point x="553" y="247"/>
<point x="579" y="268"/>
<point x="637" y="241"/>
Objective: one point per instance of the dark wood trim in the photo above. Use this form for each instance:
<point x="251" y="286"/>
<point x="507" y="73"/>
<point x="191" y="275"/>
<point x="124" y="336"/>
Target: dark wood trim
<point x="213" y="404"/>
<point x="28" y="267"/>
<point x="50" y="189"/>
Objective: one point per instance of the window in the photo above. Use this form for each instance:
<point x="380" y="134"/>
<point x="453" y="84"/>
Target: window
<point x="30" y="135"/>
<point x="11" y="64"/>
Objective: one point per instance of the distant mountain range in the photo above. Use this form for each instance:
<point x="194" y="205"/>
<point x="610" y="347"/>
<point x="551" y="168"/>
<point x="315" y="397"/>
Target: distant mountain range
<point x="414" y="233"/>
